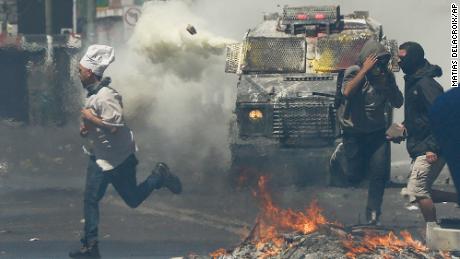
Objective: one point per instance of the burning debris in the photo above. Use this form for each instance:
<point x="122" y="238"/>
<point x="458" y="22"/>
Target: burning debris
<point x="284" y="233"/>
<point x="328" y="243"/>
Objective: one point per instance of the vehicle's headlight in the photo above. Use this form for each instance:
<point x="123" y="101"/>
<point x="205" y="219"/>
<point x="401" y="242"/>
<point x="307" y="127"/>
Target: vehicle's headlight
<point x="255" y="115"/>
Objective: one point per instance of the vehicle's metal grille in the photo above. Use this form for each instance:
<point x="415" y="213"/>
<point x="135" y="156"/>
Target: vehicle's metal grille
<point x="338" y="52"/>
<point x="304" y="118"/>
<point x="233" y="58"/>
<point x="392" y="46"/>
<point x="274" y="55"/>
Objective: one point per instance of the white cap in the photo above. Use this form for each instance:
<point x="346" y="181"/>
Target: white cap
<point x="98" y="58"/>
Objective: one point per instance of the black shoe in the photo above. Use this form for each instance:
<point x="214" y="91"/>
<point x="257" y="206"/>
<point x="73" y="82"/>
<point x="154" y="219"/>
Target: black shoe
<point x="373" y="217"/>
<point x="88" y="251"/>
<point x="168" y="180"/>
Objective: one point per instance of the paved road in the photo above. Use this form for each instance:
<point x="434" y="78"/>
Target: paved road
<point x="41" y="197"/>
<point x="165" y="225"/>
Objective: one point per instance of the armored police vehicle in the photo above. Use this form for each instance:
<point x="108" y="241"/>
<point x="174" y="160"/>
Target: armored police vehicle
<point x="290" y="67"/>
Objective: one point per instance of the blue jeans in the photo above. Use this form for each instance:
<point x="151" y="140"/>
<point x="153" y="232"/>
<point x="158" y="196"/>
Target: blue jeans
<point x="123" y="179"/>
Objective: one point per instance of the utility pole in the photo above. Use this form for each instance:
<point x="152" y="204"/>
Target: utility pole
<point x="91" y="21"/>
<point x="49" y="17"/>
<point x="74" y="16"/>
<point x="6" y="12"/>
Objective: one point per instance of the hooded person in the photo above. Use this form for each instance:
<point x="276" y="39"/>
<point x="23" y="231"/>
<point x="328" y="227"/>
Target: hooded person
<point x="369" y="89"/>
<point x="421" y="90"/>
<point x="111" y="149"/>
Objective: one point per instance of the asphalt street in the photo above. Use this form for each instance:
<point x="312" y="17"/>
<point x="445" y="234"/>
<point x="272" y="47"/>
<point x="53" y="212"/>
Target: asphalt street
<point x="46" y="223"/>
<point x="41" y="198"/>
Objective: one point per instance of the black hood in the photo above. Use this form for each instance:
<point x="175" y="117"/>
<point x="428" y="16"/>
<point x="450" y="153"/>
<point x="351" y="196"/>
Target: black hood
<point x="427" y="70"/>
<point x="372" y="47"/>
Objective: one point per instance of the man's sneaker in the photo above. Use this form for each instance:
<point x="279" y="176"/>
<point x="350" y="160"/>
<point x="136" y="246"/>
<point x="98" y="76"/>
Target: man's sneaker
<point x="373" y="217"/>
<point x="168" y="180"/>
<point x="88" y="251"/>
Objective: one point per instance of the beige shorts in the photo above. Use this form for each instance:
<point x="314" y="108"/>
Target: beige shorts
<point x="421" y="178"/>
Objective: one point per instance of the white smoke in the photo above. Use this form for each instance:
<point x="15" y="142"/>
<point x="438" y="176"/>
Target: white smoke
<point x="160" y="35"/>
<point x="174" y="84"/>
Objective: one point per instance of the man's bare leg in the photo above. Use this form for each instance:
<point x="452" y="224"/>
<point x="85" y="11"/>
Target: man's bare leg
<point x="427" y="208"/>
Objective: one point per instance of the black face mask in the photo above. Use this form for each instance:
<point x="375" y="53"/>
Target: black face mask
<point x="411" y="62"/>
<point x="407" y="66"/>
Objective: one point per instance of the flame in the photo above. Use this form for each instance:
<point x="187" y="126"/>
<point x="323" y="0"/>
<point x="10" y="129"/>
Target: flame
<point x="273" y="221"/>
<point x="391" y="242"/>
<point x="287" y="219"/>
<point x="218" y="253"/>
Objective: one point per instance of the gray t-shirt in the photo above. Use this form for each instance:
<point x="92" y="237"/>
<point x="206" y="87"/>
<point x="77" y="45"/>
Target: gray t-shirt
<point x="110" y="149"/>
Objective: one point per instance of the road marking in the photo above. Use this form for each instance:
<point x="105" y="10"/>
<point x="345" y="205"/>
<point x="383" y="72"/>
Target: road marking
<point x="187" y="215"/>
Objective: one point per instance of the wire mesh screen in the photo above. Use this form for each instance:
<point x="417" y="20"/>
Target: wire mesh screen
<point x="304" y="118"/>
<point x="233" y="58"/>
<point x="338" y="52"/>
<point x="274" y="55"/>
<point x="392" y="45"/>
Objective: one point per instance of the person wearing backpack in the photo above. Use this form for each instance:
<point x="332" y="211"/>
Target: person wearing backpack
<point x="110" y="148"/>
<point x="368" y="88"/>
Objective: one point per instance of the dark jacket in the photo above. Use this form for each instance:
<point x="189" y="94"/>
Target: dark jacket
<point x="421" y="90"/>
<point x="364" y="110"/>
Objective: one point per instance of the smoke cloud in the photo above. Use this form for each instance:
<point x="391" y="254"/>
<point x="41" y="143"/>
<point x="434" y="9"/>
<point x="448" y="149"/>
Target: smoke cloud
<point x="178" y="98"/>
<point x="160" y="36"/>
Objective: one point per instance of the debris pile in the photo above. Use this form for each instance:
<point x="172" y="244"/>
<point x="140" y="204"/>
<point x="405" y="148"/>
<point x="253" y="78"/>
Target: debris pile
<point x="328" y="243"/>
<point x="284" y="233"/>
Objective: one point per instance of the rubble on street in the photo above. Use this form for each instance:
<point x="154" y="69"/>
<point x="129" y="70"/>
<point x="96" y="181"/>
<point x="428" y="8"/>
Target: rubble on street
<point x="284" y="233"/>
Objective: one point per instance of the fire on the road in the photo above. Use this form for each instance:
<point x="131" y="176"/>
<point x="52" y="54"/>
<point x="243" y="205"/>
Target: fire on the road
<point x="273" y="221"/>
<point x="371" y="242"/>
